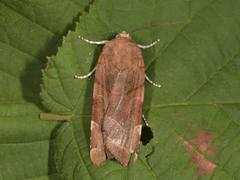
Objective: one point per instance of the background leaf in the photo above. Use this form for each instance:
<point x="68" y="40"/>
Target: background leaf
<point x="29" y="31"/>
<point x="196" y="62"/>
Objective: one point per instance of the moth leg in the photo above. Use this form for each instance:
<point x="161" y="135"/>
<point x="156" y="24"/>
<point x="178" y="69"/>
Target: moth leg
<point x="93" y="42"/>
<point x="157" y="85"/>
<point x="148" y="46"/>
<point x="86" y="76"/>
<point x="145" y="120"/>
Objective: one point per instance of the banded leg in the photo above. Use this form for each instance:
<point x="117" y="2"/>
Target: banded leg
<point x="147" y="78"/>
<point x="86" y="76"/>
<point x="148" y="46"/>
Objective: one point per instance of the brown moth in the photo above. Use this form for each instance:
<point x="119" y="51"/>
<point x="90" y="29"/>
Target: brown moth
<point x="118" y="96"/>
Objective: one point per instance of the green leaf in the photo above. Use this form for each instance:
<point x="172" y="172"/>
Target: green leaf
<point x="30" y="30"/>
<point x="197" y="64"/>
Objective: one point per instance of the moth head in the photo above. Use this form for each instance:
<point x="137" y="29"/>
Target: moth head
<point x="123" y="34"/>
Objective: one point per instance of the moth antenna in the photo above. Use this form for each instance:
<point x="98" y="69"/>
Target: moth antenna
<point x="151" y="82"/>
<point x="144" y="120"/>
<point x="156" y="25"/>
<point x="86" y="76"/>
<point x="101" y="34"/>
<point x="148" y="46"/>
<point x="90" y="37"/>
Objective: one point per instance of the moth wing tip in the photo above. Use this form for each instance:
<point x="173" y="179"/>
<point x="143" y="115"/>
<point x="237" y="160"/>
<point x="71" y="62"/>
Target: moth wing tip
<point x="97" y="156"/>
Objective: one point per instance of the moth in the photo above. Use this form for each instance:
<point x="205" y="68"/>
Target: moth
<point x="118" y="96"/>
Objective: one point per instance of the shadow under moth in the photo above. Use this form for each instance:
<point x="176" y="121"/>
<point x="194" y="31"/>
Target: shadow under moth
<point x="118" y="96"/>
